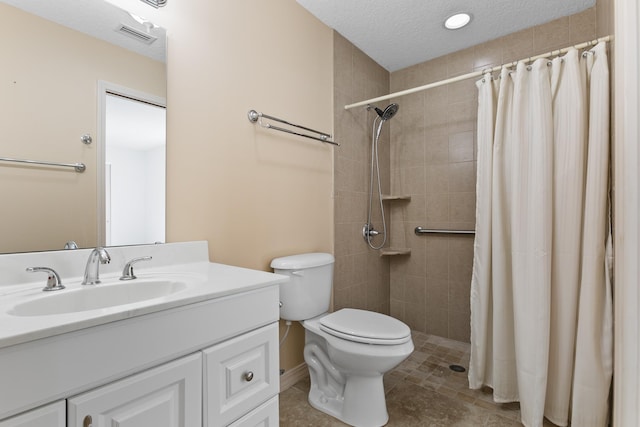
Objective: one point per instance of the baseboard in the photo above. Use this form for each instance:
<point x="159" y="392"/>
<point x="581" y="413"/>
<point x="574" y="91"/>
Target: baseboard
<point x="292" y="376"/>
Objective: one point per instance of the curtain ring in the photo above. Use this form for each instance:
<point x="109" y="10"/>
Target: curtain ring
<point x="529" y="67"/>
<point x="486" y="71"/>
<point x="561" y="58"/>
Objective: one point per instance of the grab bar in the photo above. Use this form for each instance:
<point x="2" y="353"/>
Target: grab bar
<point x="79" y="167"/>
<point x="419" y="230"/>
<point x="254" y="116"/>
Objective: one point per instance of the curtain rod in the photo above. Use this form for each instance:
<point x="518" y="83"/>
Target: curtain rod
<point x="476" y="73"/>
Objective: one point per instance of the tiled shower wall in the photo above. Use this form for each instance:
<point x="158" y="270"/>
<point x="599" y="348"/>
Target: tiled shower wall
<point x="361" y="278"/>
<point x="430" y="155"/>
<point x="433" y="159"/>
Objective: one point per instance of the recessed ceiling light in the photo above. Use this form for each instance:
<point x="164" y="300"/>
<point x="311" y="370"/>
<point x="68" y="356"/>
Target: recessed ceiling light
<point x="457" y="21"/>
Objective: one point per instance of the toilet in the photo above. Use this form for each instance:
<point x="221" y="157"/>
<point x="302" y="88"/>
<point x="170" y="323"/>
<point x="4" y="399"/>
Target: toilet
<point x="347" y="351"/>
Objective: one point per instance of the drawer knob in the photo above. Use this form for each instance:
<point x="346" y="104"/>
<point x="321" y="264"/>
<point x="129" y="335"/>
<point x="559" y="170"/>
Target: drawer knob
<point x="248" y="376"/>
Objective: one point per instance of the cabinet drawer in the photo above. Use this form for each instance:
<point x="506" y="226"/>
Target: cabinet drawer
<point x="240" y="374"/>
<point x="265" y="415"/>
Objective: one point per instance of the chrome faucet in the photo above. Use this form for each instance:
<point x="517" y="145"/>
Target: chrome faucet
<point x="92" y="271"/>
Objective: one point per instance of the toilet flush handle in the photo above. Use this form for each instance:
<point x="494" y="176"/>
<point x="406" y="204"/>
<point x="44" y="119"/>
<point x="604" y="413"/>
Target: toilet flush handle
<point x="298" y="273"/>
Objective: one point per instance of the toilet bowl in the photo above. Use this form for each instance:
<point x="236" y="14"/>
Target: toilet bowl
<point x="356" y="365"/>
<point x="347" y="351"/>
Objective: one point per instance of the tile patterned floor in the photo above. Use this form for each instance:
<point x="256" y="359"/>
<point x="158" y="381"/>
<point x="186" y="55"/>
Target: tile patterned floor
<point x="421" y="391"/>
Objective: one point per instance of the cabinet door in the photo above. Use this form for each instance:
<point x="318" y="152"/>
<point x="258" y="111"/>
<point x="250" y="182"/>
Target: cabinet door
<point x="265" y="415"/>
<point x="167" y="396"/>
<point x="240" y="374"/>
<point x="52" y="415"/>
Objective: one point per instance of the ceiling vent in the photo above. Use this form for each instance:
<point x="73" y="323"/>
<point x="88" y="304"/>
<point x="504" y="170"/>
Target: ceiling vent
<point x="141" y="36"/>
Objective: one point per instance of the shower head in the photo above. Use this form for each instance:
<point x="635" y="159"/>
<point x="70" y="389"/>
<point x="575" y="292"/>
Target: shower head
<point x="388" y="112"/>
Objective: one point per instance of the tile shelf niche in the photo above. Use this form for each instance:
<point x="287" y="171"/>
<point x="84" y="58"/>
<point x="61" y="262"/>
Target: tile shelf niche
<point x="396" y="198"/>
<point x="395" y="251"/>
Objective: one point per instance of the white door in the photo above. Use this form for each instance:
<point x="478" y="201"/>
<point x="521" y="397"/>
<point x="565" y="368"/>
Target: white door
<point x="167" y="396"/>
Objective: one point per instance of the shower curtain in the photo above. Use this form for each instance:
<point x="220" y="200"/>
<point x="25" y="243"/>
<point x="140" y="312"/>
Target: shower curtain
<point x="541" y="304"/>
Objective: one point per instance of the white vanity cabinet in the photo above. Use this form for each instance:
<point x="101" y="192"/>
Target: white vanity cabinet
<point x="204" y="354"/>
<point x="52" y="415"/>
<point x="234" y="383"/>
<point x="166" y="396"/>
<point x="216" y="360"/>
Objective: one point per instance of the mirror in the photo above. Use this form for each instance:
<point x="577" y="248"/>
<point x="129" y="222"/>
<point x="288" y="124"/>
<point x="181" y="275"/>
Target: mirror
<point x="50" y="98"/>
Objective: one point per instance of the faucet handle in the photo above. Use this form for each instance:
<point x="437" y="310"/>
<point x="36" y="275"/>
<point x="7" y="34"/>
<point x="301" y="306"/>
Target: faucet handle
<point x="127" y="273"/>
<point x="53" y="281"/>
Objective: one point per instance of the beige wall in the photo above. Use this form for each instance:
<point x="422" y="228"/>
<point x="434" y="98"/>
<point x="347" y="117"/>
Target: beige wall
<point x="48" y="84"/>
<point x="433" y="159"/>
<point x="253" y="194"/>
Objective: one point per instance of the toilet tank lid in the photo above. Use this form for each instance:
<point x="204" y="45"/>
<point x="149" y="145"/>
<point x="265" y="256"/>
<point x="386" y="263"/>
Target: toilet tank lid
<point x="295" y="262"/>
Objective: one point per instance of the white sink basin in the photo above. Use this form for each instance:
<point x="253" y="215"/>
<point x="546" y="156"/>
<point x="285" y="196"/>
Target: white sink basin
<point x="97" y="297"/>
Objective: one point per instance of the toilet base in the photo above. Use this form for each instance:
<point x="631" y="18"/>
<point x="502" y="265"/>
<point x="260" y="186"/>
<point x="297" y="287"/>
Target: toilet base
<point x="362" y="405"/>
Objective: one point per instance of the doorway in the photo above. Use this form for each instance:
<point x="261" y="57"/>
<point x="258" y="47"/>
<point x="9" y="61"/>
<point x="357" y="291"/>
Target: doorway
<point x="132" y="160"/>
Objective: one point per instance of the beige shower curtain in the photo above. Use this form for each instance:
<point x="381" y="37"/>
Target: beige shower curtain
<point x="541" y="309"/>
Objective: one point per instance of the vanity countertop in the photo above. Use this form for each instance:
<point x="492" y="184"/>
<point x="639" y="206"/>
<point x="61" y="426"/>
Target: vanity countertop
<point x="184" y="262"/>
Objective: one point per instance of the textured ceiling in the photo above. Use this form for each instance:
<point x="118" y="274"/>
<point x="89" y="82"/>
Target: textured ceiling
<point x="98" y="19"/>
<point x="400" y="33"/>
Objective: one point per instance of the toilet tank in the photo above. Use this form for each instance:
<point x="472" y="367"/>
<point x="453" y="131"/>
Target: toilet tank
<point x="307" y="294"/>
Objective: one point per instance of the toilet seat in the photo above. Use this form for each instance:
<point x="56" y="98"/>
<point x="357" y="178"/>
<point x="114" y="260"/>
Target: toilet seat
<point x="365" y="327"/>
